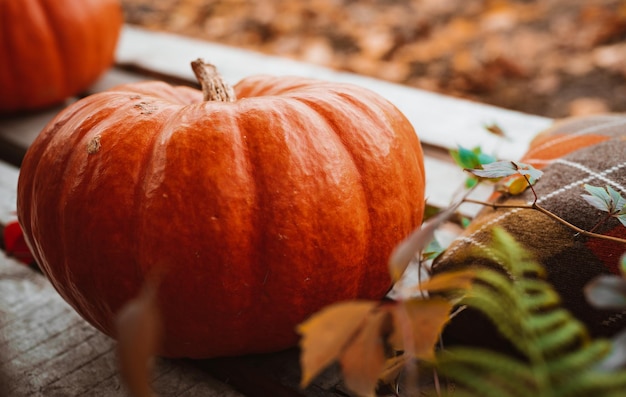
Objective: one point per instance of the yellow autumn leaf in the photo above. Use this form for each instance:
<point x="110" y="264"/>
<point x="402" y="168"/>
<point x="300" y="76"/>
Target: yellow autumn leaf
<point x="514" y="185"/>
<point x="326" y="334"/>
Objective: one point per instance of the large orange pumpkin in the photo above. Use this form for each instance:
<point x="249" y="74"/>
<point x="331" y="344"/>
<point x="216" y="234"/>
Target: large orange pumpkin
<point x="53" y="49"/>
<point x="252" y="214"/>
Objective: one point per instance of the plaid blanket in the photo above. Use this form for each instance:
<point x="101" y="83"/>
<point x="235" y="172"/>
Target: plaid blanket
<point x="573" y="152"/>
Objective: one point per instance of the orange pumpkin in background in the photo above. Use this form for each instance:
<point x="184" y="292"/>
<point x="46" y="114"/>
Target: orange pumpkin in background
<point x="53" y="49"/>
<point x="250" y="213"/>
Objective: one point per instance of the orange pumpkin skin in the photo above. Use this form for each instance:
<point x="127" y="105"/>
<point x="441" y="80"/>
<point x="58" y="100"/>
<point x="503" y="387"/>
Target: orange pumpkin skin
<point x="251" y="214"/>
<point x="56" y="49"/>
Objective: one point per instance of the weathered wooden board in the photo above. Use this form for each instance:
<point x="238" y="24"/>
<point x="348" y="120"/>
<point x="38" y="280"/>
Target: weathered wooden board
<point x="46" y="349"/>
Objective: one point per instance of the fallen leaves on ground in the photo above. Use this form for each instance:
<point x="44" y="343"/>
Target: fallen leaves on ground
<point x="555" y="58"/>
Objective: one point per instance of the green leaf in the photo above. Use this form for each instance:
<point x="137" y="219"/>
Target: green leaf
<point x="620" y="202"/>
<point x="485" y="158"/>
<point x="607" y="292"/>
<point x="559" y="357"/>
<point x="596" y="351"/>
<point x="617" y="356"/>
<point x="608" y="200"/>
<point x="471" y="159"/>
<point x="501" y="169"/>
<point x="465" y="158"/>
<point x="597" y="197"/>
<point x="470" y="183"/>
<point x="433" y="250"/>
<point x="528" y="170"/>
<point x="467" y="365"/>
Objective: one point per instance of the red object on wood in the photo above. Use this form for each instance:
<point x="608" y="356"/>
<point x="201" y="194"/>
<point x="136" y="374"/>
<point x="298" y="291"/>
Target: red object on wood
<point x="252" y="214"/>
<point x="15" y="245"/>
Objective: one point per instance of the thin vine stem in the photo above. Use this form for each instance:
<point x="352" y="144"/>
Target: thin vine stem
<point x="600" y="222"/>
<point x="535" y="206"/>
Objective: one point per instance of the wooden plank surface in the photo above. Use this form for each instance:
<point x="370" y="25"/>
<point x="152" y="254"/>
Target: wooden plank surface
<point x="47" y="350"/>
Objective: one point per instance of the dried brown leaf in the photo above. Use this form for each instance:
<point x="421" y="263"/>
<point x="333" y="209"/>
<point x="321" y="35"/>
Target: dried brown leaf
<point x="392" y="368"/>
<point x="419" y="239"/>
<point x="418" y="324"/>
<point x="326" y="334"/>
<point x="139" y="331"/>
<point x="363" y="361"/>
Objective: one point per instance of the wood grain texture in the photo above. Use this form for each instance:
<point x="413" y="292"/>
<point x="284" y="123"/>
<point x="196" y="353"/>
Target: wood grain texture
<point x="46" y="349"/>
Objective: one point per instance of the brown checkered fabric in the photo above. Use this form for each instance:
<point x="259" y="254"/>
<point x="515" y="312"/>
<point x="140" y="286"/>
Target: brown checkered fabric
<point x="574" y="152"/>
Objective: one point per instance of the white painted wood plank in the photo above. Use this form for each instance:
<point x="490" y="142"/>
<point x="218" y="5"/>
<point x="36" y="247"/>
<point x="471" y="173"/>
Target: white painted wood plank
<point x="444" y="186"/>
<point x="8" y="192"/>
<point x="439" y="120"/>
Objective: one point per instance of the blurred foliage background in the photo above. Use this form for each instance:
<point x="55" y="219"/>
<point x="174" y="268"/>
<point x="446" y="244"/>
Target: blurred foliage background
<point x="549" y="57"/>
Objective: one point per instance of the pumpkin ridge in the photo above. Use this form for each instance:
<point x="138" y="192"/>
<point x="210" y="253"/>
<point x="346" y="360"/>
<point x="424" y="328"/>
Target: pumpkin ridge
<point x="110" y="116"/>
<point x="247" y="133"/>
<point x="328" y="118"/>
<point x="62" y="77"/>
<point x="159" y="91"/>
<point x="260" y="264"/>
<point x="12" y="68"/>
<point x="68" y="142"/>
<point x="21" y="72"/>
<point x="56" y="48"/>
<point x="103" y="123"/>
<point x="164" y="111"/>
<point x="370" y="112"/>
<point x="287" y="105"/>
<point x="216" y="271"/>
<point x="141" y="199"/>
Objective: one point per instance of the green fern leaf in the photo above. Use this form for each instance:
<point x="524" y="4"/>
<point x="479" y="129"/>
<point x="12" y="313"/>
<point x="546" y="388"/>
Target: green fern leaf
<point x="569" y="334"/>
<point x="467" y="363"/>
<point x="497" y="308"/>
<point x="579" y="359"/>
<point x="544" y="322"/>
<point x="560" y="359"/>
<point x="594" y="383"/>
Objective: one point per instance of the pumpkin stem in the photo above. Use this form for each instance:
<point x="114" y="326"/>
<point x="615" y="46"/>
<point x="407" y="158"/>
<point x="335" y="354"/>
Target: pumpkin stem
<point x="213" y="85"/>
